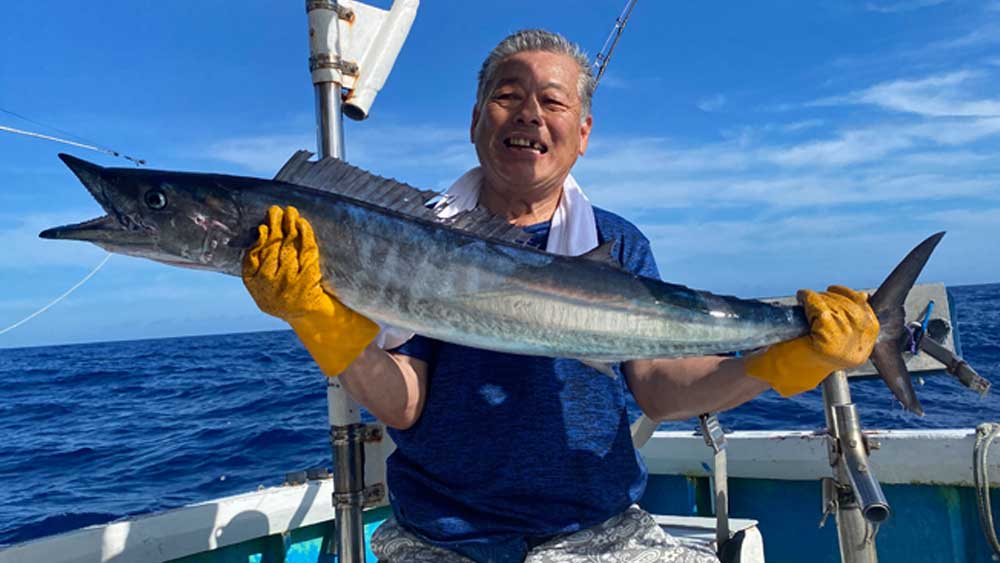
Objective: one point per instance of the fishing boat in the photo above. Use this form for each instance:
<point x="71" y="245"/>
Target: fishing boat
<point x="928" y="499"/>
<point x="891" y="495"/>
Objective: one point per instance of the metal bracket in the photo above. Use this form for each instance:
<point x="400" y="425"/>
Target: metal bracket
<point x="326" y="60"/>
<point x="833" y="449"/>
<point x="343" y="12"/>
<point x="831" y="499"/>
<point x="373" y="433"/>
<point x="871" y="444"/>
<point x="715" y="438"/>
<point x="712" y="432"/>
<point x="348" y="498"/>
<point x="369" y="497"/>
<point x="374" y="495"/>
<point x="345" y="435"/>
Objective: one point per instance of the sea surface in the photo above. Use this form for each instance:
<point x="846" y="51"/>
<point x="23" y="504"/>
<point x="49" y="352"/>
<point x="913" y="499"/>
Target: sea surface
<point x="91" y="433"/>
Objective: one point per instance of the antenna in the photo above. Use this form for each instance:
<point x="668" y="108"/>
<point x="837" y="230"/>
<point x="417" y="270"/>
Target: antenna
<point x="604" y="57"/>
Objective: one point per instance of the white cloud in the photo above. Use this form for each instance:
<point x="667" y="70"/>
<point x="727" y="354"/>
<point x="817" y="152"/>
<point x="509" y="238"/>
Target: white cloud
<point x="711" y="103"/>
<point x="854" y="146"/>
<point x="804" y="125"/>
<point x="941" y="95"/>
<point x="615" y="82"/>
<point x="890" y="163"/>
<point x="259" y="154"/>
<point x="901" y="6"/>
<point x="850" y="147"/>
<point x="985" y="35"/>
<point x="934" y="96"/>
<point x="384" y="149"/>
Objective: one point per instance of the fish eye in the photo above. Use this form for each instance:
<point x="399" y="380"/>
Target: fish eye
<point x="155" y="199"/>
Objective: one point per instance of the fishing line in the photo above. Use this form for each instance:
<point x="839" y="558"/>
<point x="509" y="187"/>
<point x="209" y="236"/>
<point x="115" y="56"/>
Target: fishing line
<point x="60" y="298"/>
<point x="89" y="145"/>
<point x="47" y="126"/>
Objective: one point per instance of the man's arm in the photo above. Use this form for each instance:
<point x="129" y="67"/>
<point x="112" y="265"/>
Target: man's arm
<point x="391" y="386"/>
<point x="675" y="389"/>
<point x="843" y="330"/>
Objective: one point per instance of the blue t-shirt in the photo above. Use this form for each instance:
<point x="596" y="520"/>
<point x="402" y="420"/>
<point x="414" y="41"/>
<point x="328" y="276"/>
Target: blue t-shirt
<point x="510" y="450"/>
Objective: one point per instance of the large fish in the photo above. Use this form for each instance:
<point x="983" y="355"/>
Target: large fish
<point x="468" y="279"/>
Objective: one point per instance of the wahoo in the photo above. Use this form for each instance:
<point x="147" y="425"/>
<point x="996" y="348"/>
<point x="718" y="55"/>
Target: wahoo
<point x="468" y="279"/>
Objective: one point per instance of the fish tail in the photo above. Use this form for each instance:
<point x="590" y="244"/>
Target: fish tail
<point x="887" y="302"/>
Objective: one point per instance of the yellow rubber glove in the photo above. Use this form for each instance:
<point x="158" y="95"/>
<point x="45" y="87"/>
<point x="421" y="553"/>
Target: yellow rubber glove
<point x="843" y="332"/>
<point x="281" y="272"/>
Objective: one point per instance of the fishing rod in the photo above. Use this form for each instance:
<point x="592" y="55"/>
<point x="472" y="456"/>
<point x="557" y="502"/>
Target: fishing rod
<point x="604" y="56"/>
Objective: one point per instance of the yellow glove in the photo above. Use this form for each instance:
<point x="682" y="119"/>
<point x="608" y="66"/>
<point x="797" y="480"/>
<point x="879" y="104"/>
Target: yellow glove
<point x="843" y="332"/>
<point x="281" y="272"/>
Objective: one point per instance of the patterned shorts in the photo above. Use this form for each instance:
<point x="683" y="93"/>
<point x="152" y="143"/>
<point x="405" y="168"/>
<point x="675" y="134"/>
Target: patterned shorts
<point x="630" y="537"/>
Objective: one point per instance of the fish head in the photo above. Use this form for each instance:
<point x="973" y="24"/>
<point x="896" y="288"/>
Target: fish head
<point x="174" y="218"/>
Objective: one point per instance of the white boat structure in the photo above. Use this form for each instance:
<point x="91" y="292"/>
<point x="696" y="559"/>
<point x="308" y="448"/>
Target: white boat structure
<point x="929" y="502"/>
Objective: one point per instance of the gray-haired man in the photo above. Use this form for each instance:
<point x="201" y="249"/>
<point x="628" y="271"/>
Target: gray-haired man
<point x="510" y="458"/>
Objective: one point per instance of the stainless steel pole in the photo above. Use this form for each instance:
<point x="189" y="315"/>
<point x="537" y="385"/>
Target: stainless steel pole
<point x="347" y="433"/>
<point x="348" y="491"/>
<point x="329" y="121"/>
<point x="346" y="430"/>
<point x="855" y="534"/>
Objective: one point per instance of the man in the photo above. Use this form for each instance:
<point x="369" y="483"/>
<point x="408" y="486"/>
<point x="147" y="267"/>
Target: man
<point x="511" y="458"/>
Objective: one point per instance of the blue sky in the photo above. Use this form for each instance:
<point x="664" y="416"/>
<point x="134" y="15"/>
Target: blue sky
<point x="762" y="147"/>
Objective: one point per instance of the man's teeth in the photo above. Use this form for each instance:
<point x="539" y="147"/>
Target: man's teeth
<point x="526" y="143"/>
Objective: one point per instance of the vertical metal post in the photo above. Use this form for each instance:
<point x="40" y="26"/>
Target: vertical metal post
<point x="855" y="534"/>
<point x="329" y="121"/>
<point x="346" y="430"/>
<point x="347" y="438"/>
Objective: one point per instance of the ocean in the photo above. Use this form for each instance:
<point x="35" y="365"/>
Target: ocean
<point x="94" y="432"/>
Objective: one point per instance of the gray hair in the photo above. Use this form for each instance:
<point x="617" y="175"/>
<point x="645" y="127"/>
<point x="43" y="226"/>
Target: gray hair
<point x="538" y="40"/>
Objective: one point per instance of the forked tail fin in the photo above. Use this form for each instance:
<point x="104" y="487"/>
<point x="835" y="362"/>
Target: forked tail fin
<point x="887" y="302"/>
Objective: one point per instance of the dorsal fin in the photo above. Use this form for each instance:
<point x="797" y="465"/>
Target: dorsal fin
<point x="603" y="255"/>
<point x="288" y="171"/>
<point x="336" y="176"/>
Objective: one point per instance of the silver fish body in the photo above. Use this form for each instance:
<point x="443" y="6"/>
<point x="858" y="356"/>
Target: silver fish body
<point x="447" y="284"/>
<point x="391" y="259"/>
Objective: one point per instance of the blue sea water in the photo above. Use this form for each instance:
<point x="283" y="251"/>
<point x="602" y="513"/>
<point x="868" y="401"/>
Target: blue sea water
<point x="90" y="433"/>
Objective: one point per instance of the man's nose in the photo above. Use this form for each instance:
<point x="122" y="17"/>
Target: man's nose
<point x="530" y="111"/>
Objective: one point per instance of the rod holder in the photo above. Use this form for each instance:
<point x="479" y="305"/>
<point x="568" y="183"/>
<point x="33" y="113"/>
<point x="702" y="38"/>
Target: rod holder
<point x="853" y="487"/>
<point x="866" y="487"/>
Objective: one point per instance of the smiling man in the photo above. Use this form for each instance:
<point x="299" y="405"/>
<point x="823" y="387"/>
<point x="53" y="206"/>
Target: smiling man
<point x="525" y="458"/>
<point x="529" y="126"/>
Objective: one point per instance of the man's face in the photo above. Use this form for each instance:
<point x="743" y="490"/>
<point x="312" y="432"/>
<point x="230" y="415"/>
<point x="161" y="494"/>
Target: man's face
<point x="528" y="132"/>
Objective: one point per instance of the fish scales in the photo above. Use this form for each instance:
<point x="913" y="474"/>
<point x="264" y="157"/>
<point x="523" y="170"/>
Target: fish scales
<point x="444" y="284"/>
<point x="477" y="286"/>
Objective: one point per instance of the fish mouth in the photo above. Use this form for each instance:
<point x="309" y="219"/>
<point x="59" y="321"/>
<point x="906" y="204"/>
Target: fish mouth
<point x="113" y="229"/>
<point x="92" y="178"/>
<point x="105" y="231"/>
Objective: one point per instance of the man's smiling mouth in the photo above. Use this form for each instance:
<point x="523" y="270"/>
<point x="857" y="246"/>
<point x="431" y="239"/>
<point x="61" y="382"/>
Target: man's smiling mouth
<point x="525" y="144"/>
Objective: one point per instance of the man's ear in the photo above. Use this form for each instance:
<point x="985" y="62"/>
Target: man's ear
<point x="585" y="128"/>
<point x="475" y="120"/>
